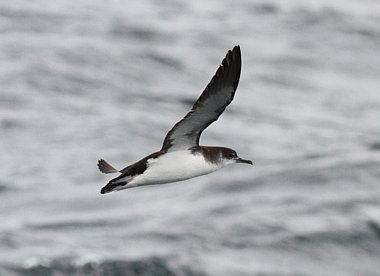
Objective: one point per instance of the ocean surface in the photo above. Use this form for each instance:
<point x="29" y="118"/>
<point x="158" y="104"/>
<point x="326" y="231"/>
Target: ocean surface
<point x="90" y="79"/>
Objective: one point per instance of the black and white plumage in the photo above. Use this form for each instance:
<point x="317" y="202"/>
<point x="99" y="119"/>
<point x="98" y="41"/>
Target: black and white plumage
<point x="181" y="157"/>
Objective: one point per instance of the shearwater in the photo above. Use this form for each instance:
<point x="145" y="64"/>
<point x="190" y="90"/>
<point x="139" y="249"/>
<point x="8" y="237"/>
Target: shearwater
<point x="181" y="157"/>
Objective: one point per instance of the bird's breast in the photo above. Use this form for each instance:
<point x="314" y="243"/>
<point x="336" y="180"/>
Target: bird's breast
<point x="174" y="166"/>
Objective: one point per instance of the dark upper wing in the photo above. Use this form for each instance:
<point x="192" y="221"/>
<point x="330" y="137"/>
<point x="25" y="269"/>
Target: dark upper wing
<point x="217" y="95"/>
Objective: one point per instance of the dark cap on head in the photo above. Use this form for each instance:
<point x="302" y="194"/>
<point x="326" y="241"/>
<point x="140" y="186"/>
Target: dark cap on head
<point x="228" y="153"/>
<point x="218" y="154"/>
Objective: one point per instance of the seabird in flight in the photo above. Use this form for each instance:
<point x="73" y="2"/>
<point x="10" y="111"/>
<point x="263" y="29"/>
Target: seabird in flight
<point x="181" y="157"/>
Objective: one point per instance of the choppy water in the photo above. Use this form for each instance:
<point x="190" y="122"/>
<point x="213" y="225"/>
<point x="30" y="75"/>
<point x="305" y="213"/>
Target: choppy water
<point x="77" y="79"/>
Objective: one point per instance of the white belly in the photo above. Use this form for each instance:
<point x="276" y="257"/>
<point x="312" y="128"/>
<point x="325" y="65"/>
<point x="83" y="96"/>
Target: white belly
<point x="173" y="166"/>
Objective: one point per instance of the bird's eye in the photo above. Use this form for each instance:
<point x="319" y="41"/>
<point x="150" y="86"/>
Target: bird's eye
<point x="231" y="155"/>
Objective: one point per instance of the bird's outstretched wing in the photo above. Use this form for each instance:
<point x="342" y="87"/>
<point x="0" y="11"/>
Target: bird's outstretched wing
<point x="217" y="95"/>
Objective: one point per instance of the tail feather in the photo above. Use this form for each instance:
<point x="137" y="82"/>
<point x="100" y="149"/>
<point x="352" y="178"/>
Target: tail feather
<point x="104" y="167"/>
<point x="116" y="184"/>
<point x="110" y="187"/>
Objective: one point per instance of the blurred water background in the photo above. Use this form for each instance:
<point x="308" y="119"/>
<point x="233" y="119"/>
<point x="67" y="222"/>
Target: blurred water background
<point x="90" y="79"/>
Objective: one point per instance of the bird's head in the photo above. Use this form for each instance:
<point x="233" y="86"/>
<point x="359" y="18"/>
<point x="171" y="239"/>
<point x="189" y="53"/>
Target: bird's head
<point x="229" y="156"/>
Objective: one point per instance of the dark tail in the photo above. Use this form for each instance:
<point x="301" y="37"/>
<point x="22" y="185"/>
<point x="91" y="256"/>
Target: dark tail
<point x="118" y="183"/>
<point x="112" y="186"/>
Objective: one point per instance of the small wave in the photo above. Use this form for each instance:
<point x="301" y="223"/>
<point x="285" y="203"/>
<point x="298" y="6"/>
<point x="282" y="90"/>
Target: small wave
<point x="122" y="30"/>
<point x="365" y="239"/>
<point x="375" y="146"/>
<point x="67" y="225"/>
<point x="265" y="8"/>
<point x="375" y="228"/>
<point x="144" y="267"/>
<point x="2" y="188"/>
<point x="7" y="124"/>
<point x="163" y="60"/>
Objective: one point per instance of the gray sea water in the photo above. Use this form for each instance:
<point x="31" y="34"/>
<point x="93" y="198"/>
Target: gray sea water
<point x="90" y="79"/>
